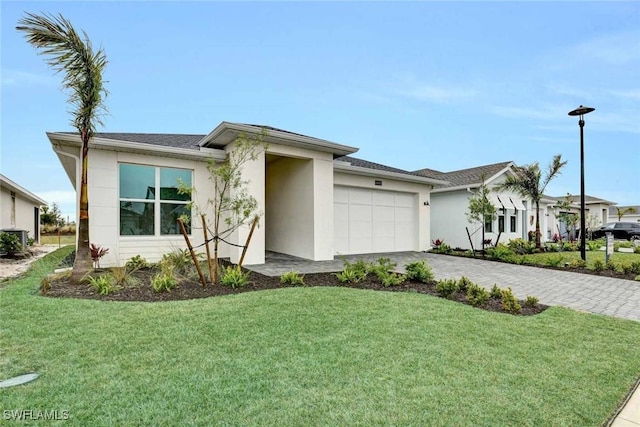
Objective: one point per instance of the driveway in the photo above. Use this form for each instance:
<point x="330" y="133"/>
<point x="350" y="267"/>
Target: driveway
<point x="587" y="292"/>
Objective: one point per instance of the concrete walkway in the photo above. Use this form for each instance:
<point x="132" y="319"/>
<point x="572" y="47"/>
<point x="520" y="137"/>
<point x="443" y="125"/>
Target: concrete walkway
<point x="587" y="292"/>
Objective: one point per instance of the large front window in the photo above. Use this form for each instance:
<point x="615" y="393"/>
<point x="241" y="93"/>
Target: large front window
<point x="150" y="203"/>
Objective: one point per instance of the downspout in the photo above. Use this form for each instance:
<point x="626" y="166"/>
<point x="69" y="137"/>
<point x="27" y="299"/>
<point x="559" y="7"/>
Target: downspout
<point x="56" y="149"/>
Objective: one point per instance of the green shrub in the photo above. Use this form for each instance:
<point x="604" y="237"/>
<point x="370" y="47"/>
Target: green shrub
<point x="442" y="249"/>
<point x="636" y="249"/>
<point x="464" y="283"/>
<point x="392" y="279"/>
<point x="510" y="302"/>
<point x="554" y="260"/>
<point x="496" y="292"/>
<point x="522" y="247"/>
<point x="419" y="271"/>
<point x="292" y="278"/>
<point x="635" y="267"/>
<point x="637" y="279"/>
<point x="598" y="265"/>
<point x="353" y="273"/>
<point x="626" y="267"/>
<point x="383" y="267"/>
<point x="577" y="263"/>
<point x="30" y="241"/>
<point x="122" y="276"/>
<point x="501" y="252"/>
<point x="477" y="295"/>
<point x="616" y="246"/>
<point x="552" y="247"/>
<point x="164" y="281"/>
<point x="136" y="263"/>
<point x="531" y="301"/>
<point x="611" y="265"/>
<point x="569" y="246"/>
<point x="446" y="287"/>
<point x="181" y="263"/>
<point x="234" y="277"/>
<point x="103" y="284"/>
<point x="10" y="243"/>
<point x="594" y="245"/>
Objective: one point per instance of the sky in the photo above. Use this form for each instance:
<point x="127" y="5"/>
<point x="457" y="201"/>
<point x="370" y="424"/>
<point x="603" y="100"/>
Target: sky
<point x="439" y="85"/>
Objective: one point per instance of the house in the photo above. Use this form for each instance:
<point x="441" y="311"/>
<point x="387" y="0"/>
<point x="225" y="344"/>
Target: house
<point x="450" y="204"/>
<point x="628" y="217"/>
<point x="597" y="213"/>
<point x="316" y="200"/>
<point x="19" y="208"/>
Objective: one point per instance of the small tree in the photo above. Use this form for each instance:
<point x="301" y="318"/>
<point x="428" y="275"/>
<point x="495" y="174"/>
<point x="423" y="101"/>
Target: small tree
<point x="629" y="210"/>
<point x="51" y="216"/>
<point x="232" y="205"/>
<point x="480" y="208"/>
<point x="528" y="182"/>
<point x="565" y="215"/>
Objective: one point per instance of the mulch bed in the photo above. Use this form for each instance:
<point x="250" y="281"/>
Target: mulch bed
<point x="193" y="289"/>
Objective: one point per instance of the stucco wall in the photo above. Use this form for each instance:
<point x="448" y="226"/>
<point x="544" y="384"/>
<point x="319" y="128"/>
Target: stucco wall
<point x="421" y="190"/>
<point x="24" y="216"/>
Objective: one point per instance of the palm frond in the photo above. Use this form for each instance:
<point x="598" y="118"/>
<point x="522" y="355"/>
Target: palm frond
<point x="70" y="54"/>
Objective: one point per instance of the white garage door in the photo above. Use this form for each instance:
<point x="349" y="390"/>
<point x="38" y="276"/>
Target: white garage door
<point x="370" y="221"/>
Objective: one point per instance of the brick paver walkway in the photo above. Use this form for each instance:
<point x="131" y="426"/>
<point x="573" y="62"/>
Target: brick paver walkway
<point x="592" y="293"/>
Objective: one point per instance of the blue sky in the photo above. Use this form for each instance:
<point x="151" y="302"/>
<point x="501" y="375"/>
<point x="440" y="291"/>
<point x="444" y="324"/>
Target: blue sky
<point x="414" y="85"/>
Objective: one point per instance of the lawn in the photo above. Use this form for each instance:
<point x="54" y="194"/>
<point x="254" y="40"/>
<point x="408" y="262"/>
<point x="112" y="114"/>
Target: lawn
<point x="310" y="356"/>
<point x="53" y="240"/>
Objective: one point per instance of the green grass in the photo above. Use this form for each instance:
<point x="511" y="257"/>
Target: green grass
<point x="310" y="356"/>
<point x="53" y="240"/>
<point x="617" y="257"/>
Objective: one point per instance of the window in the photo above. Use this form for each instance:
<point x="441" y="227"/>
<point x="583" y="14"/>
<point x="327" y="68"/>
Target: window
<point x="150" y="202"/>
<point x="501" y="223"/>
<point x="488" y="225"/>
<point x="512" y="224"/>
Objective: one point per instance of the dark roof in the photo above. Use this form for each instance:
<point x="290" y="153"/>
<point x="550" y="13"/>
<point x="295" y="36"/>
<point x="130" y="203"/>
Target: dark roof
<point x="376" y="166"/>
<point x="177" y="140"/>
<point x="465" y="176"/>
<point x="275" y="129"/>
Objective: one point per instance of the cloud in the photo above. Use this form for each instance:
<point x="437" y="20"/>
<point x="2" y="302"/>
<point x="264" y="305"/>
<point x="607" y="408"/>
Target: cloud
<point x="19" y="78"/>
<point x="438" y="93"/>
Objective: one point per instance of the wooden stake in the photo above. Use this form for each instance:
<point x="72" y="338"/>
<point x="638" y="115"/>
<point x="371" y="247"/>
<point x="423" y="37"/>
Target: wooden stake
<point x="193" y="255"/>
<point x="246" y="245"/>
<point x="206" y="242"/>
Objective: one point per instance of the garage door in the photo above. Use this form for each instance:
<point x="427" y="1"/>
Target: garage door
<point x="370" y="221"/>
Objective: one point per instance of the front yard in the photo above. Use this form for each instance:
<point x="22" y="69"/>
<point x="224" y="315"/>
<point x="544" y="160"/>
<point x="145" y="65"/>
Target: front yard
<point x="309" y="356"/>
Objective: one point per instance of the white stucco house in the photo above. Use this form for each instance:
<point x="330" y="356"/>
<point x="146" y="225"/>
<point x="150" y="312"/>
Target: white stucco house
<point x="19" y="208"/>
<point x="629" y="217"/>
<point x="317" y="201"/>
<point x="450" y="204"/>
<point x="597" y="213"/>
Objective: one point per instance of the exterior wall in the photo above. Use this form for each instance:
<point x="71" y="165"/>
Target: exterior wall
<point x="299" y="203"/>
<point x="20" y="216"/>
<point x="421" y="190"/>
<point x="104" y="212"/>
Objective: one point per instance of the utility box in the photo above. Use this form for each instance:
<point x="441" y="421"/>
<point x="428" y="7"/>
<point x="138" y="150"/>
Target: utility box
<point x="608" y="245"/>
<point x="23" y="235"/>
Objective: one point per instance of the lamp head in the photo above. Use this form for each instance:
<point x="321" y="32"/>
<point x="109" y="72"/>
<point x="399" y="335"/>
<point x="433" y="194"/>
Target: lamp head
<point x="581" y="110"/>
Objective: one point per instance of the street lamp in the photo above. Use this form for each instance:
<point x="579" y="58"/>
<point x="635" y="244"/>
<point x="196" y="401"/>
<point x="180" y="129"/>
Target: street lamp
<point x="581" y="111"/>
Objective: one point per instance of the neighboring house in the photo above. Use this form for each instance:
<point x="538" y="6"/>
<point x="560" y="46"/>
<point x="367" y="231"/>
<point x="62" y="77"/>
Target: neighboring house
<point x="317" y="201"/>
<point x="19" y="208"/>
<point x="597" y="213"/>
<point x="629" y="217"/>
<point x="450" y="204"/>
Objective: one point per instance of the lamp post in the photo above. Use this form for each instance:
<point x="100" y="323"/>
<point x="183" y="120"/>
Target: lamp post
<point x="581" y="111"/>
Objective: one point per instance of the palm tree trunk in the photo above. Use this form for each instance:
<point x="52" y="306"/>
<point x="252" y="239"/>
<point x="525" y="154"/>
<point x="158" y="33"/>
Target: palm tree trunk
<point x="538" y="242"/>
<point x="82" y="263"/>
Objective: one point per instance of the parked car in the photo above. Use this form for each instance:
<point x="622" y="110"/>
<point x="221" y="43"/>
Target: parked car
<point x="620" y="230"/>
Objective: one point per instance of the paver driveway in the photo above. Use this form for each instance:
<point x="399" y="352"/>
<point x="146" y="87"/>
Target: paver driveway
<point x="596" y="294"/>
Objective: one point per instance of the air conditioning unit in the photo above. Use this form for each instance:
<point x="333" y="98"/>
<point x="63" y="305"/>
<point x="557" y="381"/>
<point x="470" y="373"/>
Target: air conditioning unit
<point x="23" y="235"/>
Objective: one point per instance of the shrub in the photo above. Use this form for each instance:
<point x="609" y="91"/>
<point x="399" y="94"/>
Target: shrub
<point x="97" y="252"/>
<point x="442" y="249"/>
<point x="181" y="263"/>
<point x="636" y="249"/>
<point x="522" y="247"/>
<point x="531" y="301"/>
<point x="122" y="276"/>
<point x="577" y="263"/>
<point x="103" y="284"/>
<point x="626" y="268"/>
<point x="464" y="283"/>
<point x="554" y="260"/>
<point x="136" y="263"/>
<point x="292" y="278"/>
<point x="234" y="277"/>
<point x="30" y="241"/>
<point x="477" y="295"/>
<point x="552" y="247"/>
<point x="501" y="252"/>
<point x="637" y="279"/>
<point x="569" y="246"/>
<point x="496" y="292"/>
<point x="383" y="267"/>
<point x="611" y="265"/>
<point x="446" y="287"/>
<point x="510" y="302"/>
<point x="353" y="273"/>
<point x="392" y="279"/>
<point x="635" y="267"/>
<point x="598" y="265"/>
<point x="419" y="271"/>
<point x="594" y="245"/>
<point x="10" y="243"/>
<point x="164" y="281"/>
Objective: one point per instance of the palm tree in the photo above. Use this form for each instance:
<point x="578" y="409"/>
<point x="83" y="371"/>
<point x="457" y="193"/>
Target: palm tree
<point x="629" y="210"/>
<point x="69" y="54"/>
<point x="529" y="183"/>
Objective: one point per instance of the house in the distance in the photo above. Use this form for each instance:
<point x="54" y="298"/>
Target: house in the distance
<point x="627" y="217"/>
<point x="317" y="201"/>
<point x="19" y="209"/>
<point x="597" y="213"/>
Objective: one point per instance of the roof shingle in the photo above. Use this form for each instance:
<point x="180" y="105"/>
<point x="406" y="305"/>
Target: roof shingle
<point x="465" y="176"/>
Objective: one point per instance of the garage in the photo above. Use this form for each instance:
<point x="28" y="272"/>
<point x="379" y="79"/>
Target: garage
<point x="374" y="221"/>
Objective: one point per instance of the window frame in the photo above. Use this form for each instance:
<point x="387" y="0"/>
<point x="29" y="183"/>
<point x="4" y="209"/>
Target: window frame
<point x="513" y="224"/>
<point x="157" y="202"/>
<point x="501" y="223"/>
